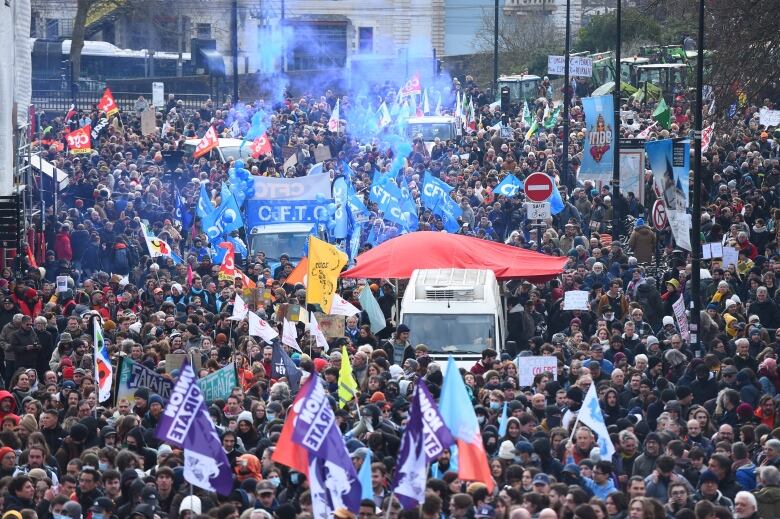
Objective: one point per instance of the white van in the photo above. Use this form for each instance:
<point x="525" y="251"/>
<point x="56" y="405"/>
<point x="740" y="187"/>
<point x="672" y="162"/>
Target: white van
<point x="429" y="127"/>
<point x="226" y="149"/>
<point x="454" y="312"/>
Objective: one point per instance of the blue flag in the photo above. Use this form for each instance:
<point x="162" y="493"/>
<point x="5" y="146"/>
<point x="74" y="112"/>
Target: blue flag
<point x="340" y="192"/>
<point x="502" y="422"/>
<point x="185" y="423"/>
<point x="364" y="476"/>
<point x="388" y="198"/>
<point x="204" y="203"/>
<point x="225" y="218"/>
<point x="332" y="478"/>
<point x="556" y="202"/>
<point x="372" y="308"/>
<point x="433" y="190"/>
<point x="449" y="212"/>
<point x="510" y="186"/>
<point x="424" y="439"/>
<point x="283" y="366"/>
<point x="317" y="169"/>
<point x="408" y="205"/>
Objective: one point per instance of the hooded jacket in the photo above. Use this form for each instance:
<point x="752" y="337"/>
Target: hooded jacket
<point x="3" y="395"/>
<point x="768" y="499"/>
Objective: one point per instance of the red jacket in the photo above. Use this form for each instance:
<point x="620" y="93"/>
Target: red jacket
<point x="62" y="247"/>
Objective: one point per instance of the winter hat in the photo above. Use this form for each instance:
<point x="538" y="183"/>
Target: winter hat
<point x="507" y="450"/>
<point x="640" y="221"/>
<point x="29" y="423"/>
<point x="708" y="476"/>
<point x="575" y="393"/>
<point x="744" y="410"/>
<point x="378" y="396"/>
<point x="5" y="451"/>
<point x="668" y="320"/>
<point x="156" y="399"/>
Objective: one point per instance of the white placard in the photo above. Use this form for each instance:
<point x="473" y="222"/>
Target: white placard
<point x="769" y="117"/>
<point x="578" y="66"/>
<point x="682" y="320"/>
<point x="717" y="249"/>
<point x="529" y="367"/>
<point x="730" y="256"/>
<point x="537" y="210"/>
<point x="158" y="94"/>
<point x="576" y="300"/>
<point x="62" y="283"/>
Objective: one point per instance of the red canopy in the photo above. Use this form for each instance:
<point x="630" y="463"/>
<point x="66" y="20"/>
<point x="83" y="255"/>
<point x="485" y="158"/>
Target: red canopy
<point x="397" y="258"/>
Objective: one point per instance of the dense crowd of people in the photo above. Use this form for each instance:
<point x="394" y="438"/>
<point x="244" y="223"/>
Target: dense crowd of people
<point x="696" y="430"/>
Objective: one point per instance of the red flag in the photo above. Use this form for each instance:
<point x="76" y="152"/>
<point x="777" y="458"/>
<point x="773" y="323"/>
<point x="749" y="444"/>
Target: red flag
<point x="71" y="113"/>
<point x="80" y="141"/>
<point x="207" y="143"/>
<point x="189" y="275"/>
<point x="260" y="146"/>
<point x="706" y="137"/>
<point x="288" y="452"/>
<point x="107" y="103"/>
<point x="412" y="86"/>
<point x="227" y="270"/>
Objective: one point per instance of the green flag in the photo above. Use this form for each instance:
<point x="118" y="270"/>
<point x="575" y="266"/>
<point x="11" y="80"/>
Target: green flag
<point x="549" y="123"/>
<point x="527" y="117"/>
<point x="662" y="114"/>
<point x="532" y="130"/>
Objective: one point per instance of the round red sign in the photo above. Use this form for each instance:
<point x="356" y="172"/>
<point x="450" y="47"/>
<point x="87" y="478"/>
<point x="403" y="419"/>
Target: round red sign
<point x="538" y="187"/>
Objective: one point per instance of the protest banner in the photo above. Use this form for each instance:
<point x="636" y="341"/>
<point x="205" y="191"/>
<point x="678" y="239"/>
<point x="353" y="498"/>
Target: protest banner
<point x="218" y="385"/>
<point x="133" y="376"/>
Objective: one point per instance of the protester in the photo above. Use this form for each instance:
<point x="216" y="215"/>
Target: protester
<point x="634" y="422"/>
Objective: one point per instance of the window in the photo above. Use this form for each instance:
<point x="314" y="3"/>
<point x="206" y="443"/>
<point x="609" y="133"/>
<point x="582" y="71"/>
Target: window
<point x="204" y="31"/>
<point x="365" y="39"/>
<point x="324" y="48"/>
<point x="52" y="28"/>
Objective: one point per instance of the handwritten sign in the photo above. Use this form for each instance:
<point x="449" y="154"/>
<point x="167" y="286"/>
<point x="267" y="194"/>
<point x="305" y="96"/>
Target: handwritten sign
<point x="529" y="367"/>
<point x="576" y="300"/>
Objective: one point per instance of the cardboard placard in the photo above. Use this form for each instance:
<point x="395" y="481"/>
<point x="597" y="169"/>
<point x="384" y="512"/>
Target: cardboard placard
<point x="332" y="326"/>
<point x="289" y="312"/>
<point x="322" y="153"/>
<point x="576" y="300"/>
<point x="175" y="360"/>
<point x="149" y="122"/>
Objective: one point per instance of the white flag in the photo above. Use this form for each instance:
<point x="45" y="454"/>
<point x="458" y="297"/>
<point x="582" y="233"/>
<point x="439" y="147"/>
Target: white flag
<point x="290" y="335"/>
<point x="333" y="123"/>
<point x="341" y="306"/>
<point x="314" y="329"/>
<point x="240" y="310"/>
<point x="590" y="415"/>
<point x="384" y="115"/>
<point x="260" y="328"/>
<point x="426" y="106"/>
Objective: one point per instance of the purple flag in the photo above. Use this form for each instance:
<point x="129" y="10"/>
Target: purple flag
<point x="186" y="423"/>
<point x="425" y="438"/>
<point x="332" y="477"/>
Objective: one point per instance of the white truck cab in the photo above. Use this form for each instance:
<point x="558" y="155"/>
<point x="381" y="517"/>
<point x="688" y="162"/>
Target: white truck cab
<point x="454" y="312"/>
<point x="429" y="127"/>
<point x="277" y="239"/>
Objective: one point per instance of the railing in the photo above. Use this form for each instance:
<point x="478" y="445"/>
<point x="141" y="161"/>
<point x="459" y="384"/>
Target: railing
<point x="60" y="101"/>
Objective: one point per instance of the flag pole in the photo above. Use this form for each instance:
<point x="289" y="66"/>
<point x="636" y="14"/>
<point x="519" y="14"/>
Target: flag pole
<point x="389" y="504"/>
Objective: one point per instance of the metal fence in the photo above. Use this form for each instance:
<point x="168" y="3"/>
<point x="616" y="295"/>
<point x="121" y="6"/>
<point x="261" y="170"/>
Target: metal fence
<point x="60" y="101"/>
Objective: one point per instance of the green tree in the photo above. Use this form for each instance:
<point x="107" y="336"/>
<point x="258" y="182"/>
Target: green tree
<point x="600" y="33"/>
